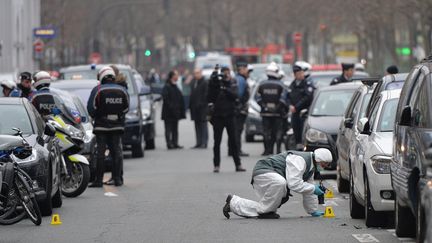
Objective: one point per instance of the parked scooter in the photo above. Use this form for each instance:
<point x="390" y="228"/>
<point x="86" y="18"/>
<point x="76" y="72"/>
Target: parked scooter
<point x="75" y="174"/>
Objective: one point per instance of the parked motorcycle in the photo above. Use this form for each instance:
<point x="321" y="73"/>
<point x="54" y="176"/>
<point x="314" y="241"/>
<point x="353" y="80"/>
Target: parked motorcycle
<point x="75" y="167"/>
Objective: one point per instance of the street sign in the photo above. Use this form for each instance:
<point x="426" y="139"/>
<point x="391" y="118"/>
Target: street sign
<point x="38" y="46"/>
<point x="297" y="37"/>
<point x="45" y="32"/>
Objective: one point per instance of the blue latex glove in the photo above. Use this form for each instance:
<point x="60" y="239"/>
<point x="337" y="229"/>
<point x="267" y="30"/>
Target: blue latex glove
<point x="317" y="214"/>
<point x="318" y="191"/>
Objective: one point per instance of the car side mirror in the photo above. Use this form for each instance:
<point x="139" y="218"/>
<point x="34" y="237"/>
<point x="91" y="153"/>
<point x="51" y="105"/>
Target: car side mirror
<point x="303" y="113"/>
<point x="49" y="130"/>
<point x="364" y="126"/>
<point x="348" y="122"/>
<point x="157" y="97"/>
<point x="405" y="119"/>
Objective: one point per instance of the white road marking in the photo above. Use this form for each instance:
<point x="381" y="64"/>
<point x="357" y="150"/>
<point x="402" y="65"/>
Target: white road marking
<point x="365" y="238"/>
<point x="391" y="230"/>
<point x="110" y="194"/>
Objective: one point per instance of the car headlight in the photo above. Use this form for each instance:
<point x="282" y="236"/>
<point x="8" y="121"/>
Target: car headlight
<point x="132" y="115"/>
<point x="252" y="112"/>
<point x="381" y="164"/>
<point x="31" y="158"/>
<point x="314" y="136"/>
<point x="88" y="136"/>
<point x="146" y="109"/>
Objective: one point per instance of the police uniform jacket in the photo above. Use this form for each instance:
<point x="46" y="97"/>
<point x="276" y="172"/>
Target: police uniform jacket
<point x="301" y="95"/>
<point x="271" y="96"/>
<point x="108" y="105"/>
<point x="340" y="79"/>
<point x="243" y="94"/>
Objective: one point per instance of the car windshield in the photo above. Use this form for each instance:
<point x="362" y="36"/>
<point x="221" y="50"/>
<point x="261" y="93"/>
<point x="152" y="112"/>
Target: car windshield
<point x="323" y="79"/>
<point x="388" y="115"/>
<point x="331" y="102"/>
<point x="83" y="94"/>
<point x="17" y="117"/>
<point x="92" y="74"/>
<point x="394" y="85"/>
<point x="210" y="63"/>
<point x="259" y="72"/>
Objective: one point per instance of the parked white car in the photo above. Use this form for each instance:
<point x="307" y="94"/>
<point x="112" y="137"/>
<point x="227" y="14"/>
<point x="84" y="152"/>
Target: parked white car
<point x="371" y="193"/>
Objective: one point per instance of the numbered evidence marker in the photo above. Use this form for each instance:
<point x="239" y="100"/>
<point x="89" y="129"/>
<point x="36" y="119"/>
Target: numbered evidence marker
<point x="55" y="220"/>
<point x="329" y="194"/>
<point x="329" y="212"/>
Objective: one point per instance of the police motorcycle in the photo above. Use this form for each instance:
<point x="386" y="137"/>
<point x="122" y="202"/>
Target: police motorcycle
<point x="17" y="189"/>
<point x="75" y="174"/>
<point x="59" y="110"/>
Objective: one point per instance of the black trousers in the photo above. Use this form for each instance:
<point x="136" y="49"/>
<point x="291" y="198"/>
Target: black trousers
<point x="240" y="120"/>
<point x="219" y="123"/>
<point x="201" y="133"/>
<point x="171" y="132"/>
<point x="273" y="131"/>
<point x="113" y="142"/>
<point x="297" y="125"/>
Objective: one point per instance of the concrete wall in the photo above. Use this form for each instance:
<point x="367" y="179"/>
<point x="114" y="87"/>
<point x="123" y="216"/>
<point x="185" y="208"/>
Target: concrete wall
<point x="17" y="20"/>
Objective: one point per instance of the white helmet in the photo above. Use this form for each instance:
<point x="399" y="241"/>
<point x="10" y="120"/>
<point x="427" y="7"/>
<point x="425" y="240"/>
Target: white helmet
<point x="8" y="84"/>
<point x="281" y="74"/>
<point x="272" y="70"/>
<point x="323" y="155"/>
<point x="305" y="66"/>
<point x="106" y="72"/>
<point x="41" y="78"/>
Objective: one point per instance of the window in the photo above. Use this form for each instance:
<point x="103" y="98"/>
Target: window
<point x="388" y="115"/>
<point x="332" y="102"/>
<point x="374" y="113"/>
<point x="17" y="118"/>
<point x="364" y="105"/>
<point x="352" y="105"/>
<point x="421" y="111"/>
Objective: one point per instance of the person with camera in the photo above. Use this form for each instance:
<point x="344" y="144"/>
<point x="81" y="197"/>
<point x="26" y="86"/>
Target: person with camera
<point x="108" y="105"/>
<point x="271" y="97"/>
<point x="273" y="178"/>
<point x="300" y="95"/>
<point x="222" y="97"/>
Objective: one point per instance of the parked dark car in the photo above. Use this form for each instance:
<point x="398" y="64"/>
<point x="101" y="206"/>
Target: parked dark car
<point x="412" y="154"/>
<point x="43" y="166"/>
<point x="324" y="115"/>
<point x="348" y="131"/>
<point x="133" y="138"/>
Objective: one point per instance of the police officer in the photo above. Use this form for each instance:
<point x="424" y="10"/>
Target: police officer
<point x="300" y="94"/>
<point x="42" y="98"/>
<point x="8" y="86"/>
<point x="222" y="96"/>
<point x="108" y="105"/>
<point x="273" y="179"/>
<point x="24" y="88"/>
<point x="242" y="104"/>
<point x="271" y="96"/>
<point x="346" y="76"/>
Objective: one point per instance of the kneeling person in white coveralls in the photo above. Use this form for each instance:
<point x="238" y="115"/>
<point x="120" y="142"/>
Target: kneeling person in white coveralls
<point x="273" y="178"/>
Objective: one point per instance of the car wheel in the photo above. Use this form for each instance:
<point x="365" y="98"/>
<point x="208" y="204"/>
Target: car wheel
<point x="356" y="209"/>
<point x="150" y="144"/>
<point x="372" y="217"/>
<point x="138" y="149"/>
<point x="46" y="206"/>
<point x="404" y="221"/>
<point x="421" y="222"/>
<point x="342" y="184"/>
<point x="250" y="138"/>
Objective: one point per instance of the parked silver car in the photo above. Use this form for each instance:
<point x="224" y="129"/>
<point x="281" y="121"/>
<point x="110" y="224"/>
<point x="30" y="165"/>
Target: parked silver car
<point x="371" y="193"/>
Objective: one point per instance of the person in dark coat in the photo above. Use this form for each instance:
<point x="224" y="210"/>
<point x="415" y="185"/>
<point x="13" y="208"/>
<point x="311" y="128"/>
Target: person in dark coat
<point x="346" y="76"/>
<point x="172" y="110"/>
<point x="198" y="108"/>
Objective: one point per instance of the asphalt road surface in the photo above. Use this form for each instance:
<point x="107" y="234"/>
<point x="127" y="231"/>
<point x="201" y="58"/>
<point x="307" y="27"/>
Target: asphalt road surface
<point x="173" y="196"/>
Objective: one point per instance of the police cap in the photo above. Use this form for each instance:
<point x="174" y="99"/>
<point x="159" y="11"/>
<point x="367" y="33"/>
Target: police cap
<point x="346" y="66"/>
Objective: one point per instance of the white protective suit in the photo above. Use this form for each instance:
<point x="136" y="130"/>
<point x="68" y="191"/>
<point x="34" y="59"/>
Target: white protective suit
<point x="271" y="188"/>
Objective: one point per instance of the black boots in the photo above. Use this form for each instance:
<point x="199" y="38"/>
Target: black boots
<point x="226" y="209"/>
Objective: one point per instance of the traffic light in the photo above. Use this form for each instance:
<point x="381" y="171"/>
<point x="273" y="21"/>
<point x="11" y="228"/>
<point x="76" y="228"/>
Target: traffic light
<point x="147" y="53"/>
<point x="192" y="55"/>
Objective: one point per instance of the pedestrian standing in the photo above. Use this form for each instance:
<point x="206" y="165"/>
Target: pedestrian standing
<point x="271" y="96"/>
<point x="393" y="69"/>
<point x="198" y="108"/>
<point x="242" y="106"/>
<point x="300" y="95"/>
<point x="186" y="79"/>
<point x="108" y="105"/>
<point x="222" y="96"/>
<point x="273" y="179"/>
<point x="172" y="109"/>
<point x="24" y="88"/>
<point x="347" y="74"/>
